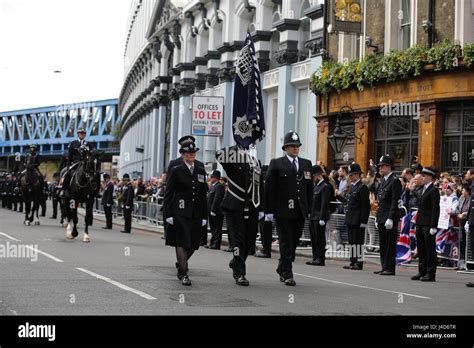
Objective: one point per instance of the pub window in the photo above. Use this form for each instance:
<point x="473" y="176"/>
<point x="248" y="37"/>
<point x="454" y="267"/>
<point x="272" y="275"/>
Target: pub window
<point x="405" y="24"/>
<point x="398" y="137"/>
<point x="458" y="137"/>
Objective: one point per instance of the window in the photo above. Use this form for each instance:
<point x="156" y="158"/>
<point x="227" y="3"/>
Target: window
<point x="398" y="137"/>
<point x="458" y="137"/>
<point x="405" y="24"/>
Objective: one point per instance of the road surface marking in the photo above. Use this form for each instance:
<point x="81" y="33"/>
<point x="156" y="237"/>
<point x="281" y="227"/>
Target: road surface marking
<point x="364" y="287"/>
<point x="54" y="258"/>
<point x="116" y="283"/>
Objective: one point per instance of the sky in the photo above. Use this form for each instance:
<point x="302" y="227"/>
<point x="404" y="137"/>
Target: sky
<point x="84" y="39"/>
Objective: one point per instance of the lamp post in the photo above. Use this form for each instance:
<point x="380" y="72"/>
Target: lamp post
<point x="337" y="140"/>
<point x="141" y="150"/>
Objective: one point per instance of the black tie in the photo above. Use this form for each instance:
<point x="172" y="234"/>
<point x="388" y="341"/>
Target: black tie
<point x="294" y="165"/>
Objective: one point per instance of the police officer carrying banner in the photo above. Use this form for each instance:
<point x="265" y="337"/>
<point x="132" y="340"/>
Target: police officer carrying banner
<point x="357" y="215"/>
<point x="427" y="227"/>
<point x="185" y="207"/>
<point x="241" y="204"/>
<point x="128" y="195"/>
<point x="108" y="201"/>
<point x="288" y="195"/>
<point x="388" y="214"/>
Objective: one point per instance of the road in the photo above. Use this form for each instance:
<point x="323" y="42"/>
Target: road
<point x="119" y="274"/>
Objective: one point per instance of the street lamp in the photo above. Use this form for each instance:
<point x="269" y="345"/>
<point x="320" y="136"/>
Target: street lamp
<point x="141" y="150"/>
<point x="338" y="139"/>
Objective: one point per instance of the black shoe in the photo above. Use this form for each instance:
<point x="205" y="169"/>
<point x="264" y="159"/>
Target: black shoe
<point x="52" y="217"/>
<point x="348" y="267"/>
<point x="206" y="246"/>
<point x="357" y="267"/>
<point x="290" y="282"/>
<point x="230" y="250"/>
<point x="106" y="228"/>
<point x="176" y="265"/>
<point x="252" y="252"/>
<point x="387" y="273"/>
<point x="263" y="255"/>
<point x="214" y="247"/>
<point x="242" y="281"/>
<point x="163" y="237"/>
<point x="428" y="278"/>
<point x="125" y="231"/>
<point x="317" y="262"/>
<point x="417" y="277"/>
<point x="378" y="272"/>
<point x="470" y="285"/>
<point x="186" y="280"/>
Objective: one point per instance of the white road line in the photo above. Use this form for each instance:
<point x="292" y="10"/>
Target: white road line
<point x="364" y="287"/>
<point x="9" y="237"/>
<point x="117" y="284"/>
<point x="54" y="258"/>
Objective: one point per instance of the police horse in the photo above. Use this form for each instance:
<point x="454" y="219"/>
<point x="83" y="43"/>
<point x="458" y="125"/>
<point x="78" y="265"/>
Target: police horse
<point x="83" y="188"/>
<point x="31" y="188"/>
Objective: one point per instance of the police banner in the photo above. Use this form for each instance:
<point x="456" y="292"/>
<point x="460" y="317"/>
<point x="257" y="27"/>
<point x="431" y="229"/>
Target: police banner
<point x="208" y="116"/>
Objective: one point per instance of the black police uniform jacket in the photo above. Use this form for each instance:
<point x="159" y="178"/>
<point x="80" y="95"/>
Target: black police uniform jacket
<point x="186" y="193"/>
<point x="470" y="217"/>
<point x="73" y="150"/>
<point x="428" y="211"/>
<point x="245" y="182"/>
<point x="215" y="197"/>
<point x="357" y="205"/>
<point x="388" y="195"/>
<point x="128" y="195"/>
<point x="108" y="195"/>
<point x="179" y="160"/>
<point x="288" y="195"/>
<point x="323" y="193"/>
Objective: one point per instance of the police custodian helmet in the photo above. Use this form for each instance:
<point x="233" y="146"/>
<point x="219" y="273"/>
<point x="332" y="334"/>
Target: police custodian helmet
<point x="291" y="139"/>
<point x="354" y="168"/>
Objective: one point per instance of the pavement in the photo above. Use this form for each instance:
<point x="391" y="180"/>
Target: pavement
<point x="134" y="274"/>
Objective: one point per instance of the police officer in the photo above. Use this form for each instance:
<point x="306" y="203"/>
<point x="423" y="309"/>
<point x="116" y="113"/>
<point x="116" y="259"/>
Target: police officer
<point x="323" y="193"/>
<point x="241" y="204"/>
<point x="388" y="214"/>
<point x="107" y="201"/>
<point x="54" y="195"/>
<point x="427" y="227"/>
<point x="185" y="207"/>
<point x="356" y="217"/>
<point x="288" y="195"/>
<point x="216" y="217"/>
<point x="73" y="157"/>
<point x="128" y="195"/>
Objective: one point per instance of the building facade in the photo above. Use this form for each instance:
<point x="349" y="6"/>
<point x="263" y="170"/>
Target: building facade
<point x="434" y="107"/>
<point x="179" y="49"/>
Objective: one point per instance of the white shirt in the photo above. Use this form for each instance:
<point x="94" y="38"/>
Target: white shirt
<point x="355" y="183"/>
<point x="387" y="176"/>
<point x="426" y="187"/>
<point x="189" y="165"/>
<point x="320" y="182"/>
<point x="291" y="159"/>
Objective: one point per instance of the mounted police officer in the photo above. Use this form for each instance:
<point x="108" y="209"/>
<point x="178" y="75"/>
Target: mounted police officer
<point x="427" y="227"/>
<point x="74" y="156"/>
<point x="185" y="207"/>
<point x="388" y="214"/>
<point x="241" y="204"/>
<point x="357" y="215"/>
<point x="323" y="193"/>
<point x="128" y="194"/>
<point x="288" y="195"/>
<point x="34" y="162"/>
<point x="108" y="201"/>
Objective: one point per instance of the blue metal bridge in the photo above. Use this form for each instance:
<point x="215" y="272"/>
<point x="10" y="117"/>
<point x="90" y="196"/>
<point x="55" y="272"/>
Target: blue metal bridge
<point x="53" y="128"/>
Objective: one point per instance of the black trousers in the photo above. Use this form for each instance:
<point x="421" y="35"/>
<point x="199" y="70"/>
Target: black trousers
<point x="127" y="215"/>
<point x="471" y="239"/>
<point x="388" y="246"/>
<point x="266" y="230"/>
<point x="317" y="234"/>
<point x="243" y="232"/>
<point x="55" y="208"/>
<point x="426" y="246"/>
<point x="289" y="233"/>
<point x="356" y="241"/>
<point x="215" y="223"/>
<point x="108" y="215"/>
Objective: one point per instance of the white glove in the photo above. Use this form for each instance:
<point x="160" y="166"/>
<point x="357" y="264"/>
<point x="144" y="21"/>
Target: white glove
<point x="466" y="227"/>
<point x="108" y="204"/>
<point x="363" y="225"/>
<point x="375" y="220"/>
<point x="433" y="231"/>
<point x="261" y="215"/>
<point x="213" y="214"/>
<point x="127" y="207"/>
<point x="170" y="221"/>
<point x="321" y="223"/>
<point x="389" y="224"/>
<point x="204" y="222"/>
<point x="269" y="217"/>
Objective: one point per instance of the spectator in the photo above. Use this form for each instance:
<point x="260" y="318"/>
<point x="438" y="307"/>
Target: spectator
<point x="462" y="211"/>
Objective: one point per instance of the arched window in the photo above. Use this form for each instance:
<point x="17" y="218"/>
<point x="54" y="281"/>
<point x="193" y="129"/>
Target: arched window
<point x="274" y="48"/>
